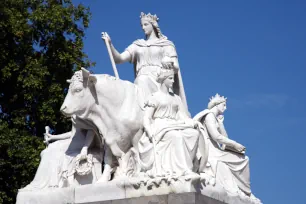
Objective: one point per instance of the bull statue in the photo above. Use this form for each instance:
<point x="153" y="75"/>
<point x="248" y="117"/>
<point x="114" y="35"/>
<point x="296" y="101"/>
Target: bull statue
<point x="113" y="106"/>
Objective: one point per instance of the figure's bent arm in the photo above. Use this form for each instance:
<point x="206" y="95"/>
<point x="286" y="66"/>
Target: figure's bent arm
<point x="182" y="114"/>
<point x="147" y="120"/>
<point x="214" y="133"/>
<point x="120" y="58"/>
<point x="222" y="130"/>
<point x="63" y="136"/>
<point x="175" y="63"/>
<point x="89" y="138"/>
<point x="170" y="51"/>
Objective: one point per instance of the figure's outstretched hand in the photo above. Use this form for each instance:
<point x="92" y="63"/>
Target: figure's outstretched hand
<point x="106" y="37"/>
<point x="48" y="137"/>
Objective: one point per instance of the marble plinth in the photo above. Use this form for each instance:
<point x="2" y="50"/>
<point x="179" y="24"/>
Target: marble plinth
<point x="134" y="192"/>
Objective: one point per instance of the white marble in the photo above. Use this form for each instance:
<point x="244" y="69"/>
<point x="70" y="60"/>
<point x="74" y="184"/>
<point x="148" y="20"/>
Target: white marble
<point x="46" y="196"/>
<point x="227" y="164"/>
<point x="119" y="192"/>
<point x="169" y="144"/>
<point x="147" y="56"/>
<point x="118" y="120"/>
<point x="152" y="150"/>
<point x="59" y="161"/>
<point x="100" y="192"/>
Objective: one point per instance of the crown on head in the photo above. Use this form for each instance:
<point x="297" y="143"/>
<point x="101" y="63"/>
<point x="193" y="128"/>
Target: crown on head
<point x="215" y="100"/>
<point x="164" y="73"/>
<point x="149" y="17"/>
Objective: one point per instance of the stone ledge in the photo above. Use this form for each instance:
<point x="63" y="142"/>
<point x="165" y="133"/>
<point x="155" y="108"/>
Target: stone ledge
<point x="182" y="198"/>
<point x="125" y="192"/>
<point x="50" y="196"/>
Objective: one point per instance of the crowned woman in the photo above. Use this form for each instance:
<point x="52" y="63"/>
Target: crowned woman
<point x="147" y="54"/>
<point x="170" y="142"/>
<point x="227" y="165"/>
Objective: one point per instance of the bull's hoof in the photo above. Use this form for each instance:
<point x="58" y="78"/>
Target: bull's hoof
<point x="104" y="178"/>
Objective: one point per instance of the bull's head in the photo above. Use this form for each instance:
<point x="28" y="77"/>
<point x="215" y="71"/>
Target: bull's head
<point x="81" y="93"/>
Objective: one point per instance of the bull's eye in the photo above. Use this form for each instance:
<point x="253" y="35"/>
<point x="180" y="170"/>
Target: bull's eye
<point x="78" y="90"/>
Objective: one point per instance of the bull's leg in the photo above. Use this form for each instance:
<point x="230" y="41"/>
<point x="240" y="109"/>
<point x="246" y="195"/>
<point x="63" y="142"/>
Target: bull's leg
<point x="108" y="164"/>
<point x="70" y="180"/>
<point x="123" y="165"/>
<point x="125" y="158"/>
<point x="115" y="149"/>
<point x="136" y="138"/>
<point x="121" y="158"/>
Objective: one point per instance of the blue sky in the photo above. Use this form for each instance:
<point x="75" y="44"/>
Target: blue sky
<point x="253" y="52"/>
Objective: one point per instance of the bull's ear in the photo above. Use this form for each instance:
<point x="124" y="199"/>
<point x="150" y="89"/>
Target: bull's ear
<point x="92" y="80"/>
<point x="85" y="73"/>
<point x="68" y="81"/>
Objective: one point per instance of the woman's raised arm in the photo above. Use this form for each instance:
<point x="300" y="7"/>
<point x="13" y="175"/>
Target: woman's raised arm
<point x="147" y="118"/>
<point x="119" y="58"/>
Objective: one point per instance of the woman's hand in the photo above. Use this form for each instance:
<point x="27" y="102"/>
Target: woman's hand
<point x="84" y="152"/>
<point x="191" y="122"/>
<point x="239" y="147"/>
<point x="168" y="65"/>
<point x="220" y="118"/>
<point x="196" y="124"/>
<point x="48" y="137"/>
<point x="167" y="62"/>
<point x="106" y="37"/>
<point x="149" y="133"/>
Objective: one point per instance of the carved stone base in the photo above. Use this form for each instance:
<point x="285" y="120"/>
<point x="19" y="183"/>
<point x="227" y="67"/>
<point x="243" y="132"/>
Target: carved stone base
<point x="136" y="191"/>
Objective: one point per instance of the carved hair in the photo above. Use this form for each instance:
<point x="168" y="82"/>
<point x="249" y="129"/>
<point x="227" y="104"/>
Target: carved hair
<point x="166" y="71"/>
<point x="153" y="19"/>
<point x="216" y="100"/>
<point x="77" y="77"/>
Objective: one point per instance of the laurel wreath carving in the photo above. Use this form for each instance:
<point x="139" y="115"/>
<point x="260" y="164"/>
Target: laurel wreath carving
<point x="83" y="166"/>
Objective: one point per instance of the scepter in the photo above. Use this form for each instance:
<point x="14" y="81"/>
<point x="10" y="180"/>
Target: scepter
<point x="47" y="128"/>
<point x="155" y="156"/>
<point x="111" y="56"/>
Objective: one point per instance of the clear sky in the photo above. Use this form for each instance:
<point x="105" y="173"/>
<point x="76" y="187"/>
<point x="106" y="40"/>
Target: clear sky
<point x="251" y="51"/>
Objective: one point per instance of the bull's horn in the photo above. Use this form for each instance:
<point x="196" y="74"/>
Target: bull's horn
<point x="85" y="72"/>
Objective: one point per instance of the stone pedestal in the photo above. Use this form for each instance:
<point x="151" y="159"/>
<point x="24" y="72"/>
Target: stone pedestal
<point x="135" y="192"/>
<point x="50" y="196"/>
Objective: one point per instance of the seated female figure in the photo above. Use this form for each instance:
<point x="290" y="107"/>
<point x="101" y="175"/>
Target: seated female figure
<point x="170" y="142"/>
<point x="227" y="165"/>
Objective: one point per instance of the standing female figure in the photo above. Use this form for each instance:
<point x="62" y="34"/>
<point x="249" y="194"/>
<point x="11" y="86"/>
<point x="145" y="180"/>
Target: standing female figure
<point x="147" y="56"/>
